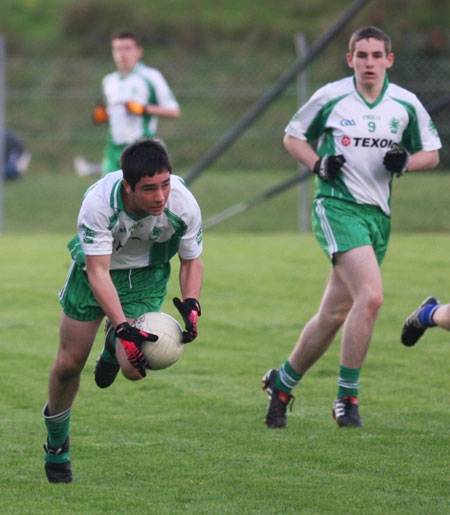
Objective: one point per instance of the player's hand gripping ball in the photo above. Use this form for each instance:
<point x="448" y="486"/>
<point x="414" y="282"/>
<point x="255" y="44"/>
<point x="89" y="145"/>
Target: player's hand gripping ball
<point x="168" y="348"/>
<point x="132" y="340"/>
<point x="190" y="310"/>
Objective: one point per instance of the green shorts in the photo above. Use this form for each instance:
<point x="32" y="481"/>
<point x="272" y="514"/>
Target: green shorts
<point x="140" y="290"/>
<point x="340" y="226"/>
<point x="111" y="158"/>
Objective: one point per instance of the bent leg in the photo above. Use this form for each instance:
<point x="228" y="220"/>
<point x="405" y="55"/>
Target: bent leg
<point x="313" y="341"/>
<point x="441" y="316"/>
<point x="76" y="340"/>
<point x="359" y="270"/>
<point x="321" y="329"/>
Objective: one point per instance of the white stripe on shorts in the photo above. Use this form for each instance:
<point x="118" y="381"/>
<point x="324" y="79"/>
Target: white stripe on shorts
<point x="326" y="228"/>
<point x="63" y="290"/>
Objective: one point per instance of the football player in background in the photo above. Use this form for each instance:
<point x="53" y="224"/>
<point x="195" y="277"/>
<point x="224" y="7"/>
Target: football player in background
<point x="134" y="97"/>
<point x="131" y="223"/>
<point x="367" y="131"/>
<point x="431" y="313"/>
<point x="16" y="158"/>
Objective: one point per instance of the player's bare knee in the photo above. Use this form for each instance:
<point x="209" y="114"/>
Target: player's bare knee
<point x="66" y="366"/>
<point x="373" y="302"/>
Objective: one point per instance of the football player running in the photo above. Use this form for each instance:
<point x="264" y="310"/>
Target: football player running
<point x="367" y="131"/>
<point x="134" y="97"/>
<point x="131" y="223"/>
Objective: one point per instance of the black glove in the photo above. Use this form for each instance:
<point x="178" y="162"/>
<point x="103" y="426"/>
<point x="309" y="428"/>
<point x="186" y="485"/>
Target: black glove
<point x="190" y="310"/>
<point x="132" y="339"/>
<point x="396" y="160"/>
<point x="328" y="167"/>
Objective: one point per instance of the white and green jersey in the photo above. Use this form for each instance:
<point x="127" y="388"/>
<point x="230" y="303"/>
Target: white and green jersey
<point x="106" y="228"/>
<point x="144" y="85"/>
<point x="342" y="122"/>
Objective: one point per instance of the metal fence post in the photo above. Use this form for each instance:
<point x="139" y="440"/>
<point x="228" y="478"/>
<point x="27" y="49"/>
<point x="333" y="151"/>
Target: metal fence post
<point x="2" y="125"/>
<point x="275" y="91"/>
<point x="304" y="208"/>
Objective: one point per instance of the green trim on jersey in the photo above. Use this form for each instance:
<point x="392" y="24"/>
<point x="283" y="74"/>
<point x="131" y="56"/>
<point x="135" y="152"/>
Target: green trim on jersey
<point x="183" y="182"/>
<point x="151" y="99"/>
<point x="335" y="188"/>
<point x="76" y="251"/>
<point x="162" y="252"/>
<point x="114" y="199"/>
<point x="113" y="220"/>
<point x="91" y="187"/>
<point x="411" y="136"/>
<point x="341" y="121"/>
<point x="379" y="99"/>
<point x="317" y="126"/>
<point x="116" y="202"/>
<point x="327" y="146"/>
<point x="152" y="92"/>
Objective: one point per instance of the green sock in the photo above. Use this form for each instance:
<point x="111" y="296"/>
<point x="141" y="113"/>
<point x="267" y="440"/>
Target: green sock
<point x="58" y="431"/>
<point x="287" y="378"/>
<point x="348" y="382"/>
<point x="109" y="351"/>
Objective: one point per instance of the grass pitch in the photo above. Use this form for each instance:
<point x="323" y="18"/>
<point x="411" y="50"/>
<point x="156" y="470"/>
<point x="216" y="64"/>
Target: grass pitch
<point x="49" y="202"/>
<point x="191" y="438"/>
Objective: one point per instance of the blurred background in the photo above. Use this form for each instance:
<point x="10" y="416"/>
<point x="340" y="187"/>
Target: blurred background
<point x="218" y="57"/>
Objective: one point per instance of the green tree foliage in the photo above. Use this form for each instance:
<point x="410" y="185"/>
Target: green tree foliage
<point x="84" y="26"/>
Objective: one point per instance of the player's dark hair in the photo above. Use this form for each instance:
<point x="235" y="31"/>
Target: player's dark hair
<point x="126" y="34"/>
<point x="369" y="32"/>
<point x="144" y="158"/>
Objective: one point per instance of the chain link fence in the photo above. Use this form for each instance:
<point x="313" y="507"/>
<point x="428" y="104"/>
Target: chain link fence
<point x="50" y="101"/>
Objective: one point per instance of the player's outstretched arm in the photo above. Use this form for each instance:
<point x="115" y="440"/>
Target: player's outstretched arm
<point x="152" y="109"/>
<point x="165" y="112"/>
<point x="191" y="277"/>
